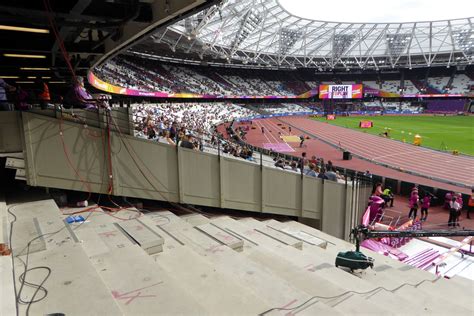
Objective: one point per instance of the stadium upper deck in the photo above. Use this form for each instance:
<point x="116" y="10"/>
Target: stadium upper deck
<point x="261" y="33"/>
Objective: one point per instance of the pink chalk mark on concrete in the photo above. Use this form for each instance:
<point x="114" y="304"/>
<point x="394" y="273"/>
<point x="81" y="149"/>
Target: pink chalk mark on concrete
<point x="225" y="237"/>
<point x="108" y="234"/>
<point x="310" y="267"/>
<point x="214" y="249"/>
<point x="288" y="305"/>
<point x="132" y="295"/>
<point x="138" y="227"/>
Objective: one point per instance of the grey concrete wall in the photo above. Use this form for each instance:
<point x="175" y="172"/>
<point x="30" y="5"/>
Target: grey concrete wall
<point x="281" y="192"/>
<point x="46" y="159"/>
<point x="146" y="169"/>
<point x="241" y="185"/>
<point x="10" y="132"/>
<point x="312" y="198"/>
<point x="334" y="209"/>
<point x="199" y="179"/>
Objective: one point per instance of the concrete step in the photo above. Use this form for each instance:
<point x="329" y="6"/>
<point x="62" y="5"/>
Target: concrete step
<point x="40" y="225"/>
<point x="4" y="222"/>
<point x="396" y="271"/>
<point x="73" y="285"/>
<point x="331" y="240"/>
<point x="221" y="236"/>
<point x="141" y="287"/>
<point x="7" y="288"/>
<point x="391" y="274"/>
<point x="315" y="260"/>
<point x="306" y="280"/>
<point x="168" y="220"/>
<point x="273" y="233"/>
<point x="195" y="219"/>
<point x="296" y="233"/>
<point x="206" y="282"/>
<point x="254" y="277"/>
<point x="143" y="235"/>
<point x="102" y="238"/>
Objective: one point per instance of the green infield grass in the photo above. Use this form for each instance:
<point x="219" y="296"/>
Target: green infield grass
<point x="446" y="133"/>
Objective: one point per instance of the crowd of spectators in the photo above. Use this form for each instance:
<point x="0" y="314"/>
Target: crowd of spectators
<point x="313" y="167"/>
<point x="37" y="95"/>
<point x="149" y="75"/>
<point x="17" y="97"/>
<point x="191" y="125"/>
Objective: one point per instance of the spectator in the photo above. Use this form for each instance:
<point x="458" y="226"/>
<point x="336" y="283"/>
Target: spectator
<point x="43" y="95"/>
<point x="378" y="189"/>
<point x="311" y="172"/>
<point x="447" y="199"/>
<point x="454" y="209"/>
<point x="330" y="174"/>
<point x="294" y="167"/>
<point x="425" y="206"/>
<point x="280" y="164"/>
<point x="470" y="204"/>
<point x="187" y="142"/>
<point x="413" y="203"/>
<point x="4" y="87"/>
<point x="166" y="136"/>
<point x="21" y="98"/>
<point x="387" y="195"/>
<point x="78" y="97"/>
<point x="368" y="174"/>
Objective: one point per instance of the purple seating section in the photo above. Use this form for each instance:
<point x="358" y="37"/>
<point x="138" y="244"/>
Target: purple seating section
<point x="445" y="106"/>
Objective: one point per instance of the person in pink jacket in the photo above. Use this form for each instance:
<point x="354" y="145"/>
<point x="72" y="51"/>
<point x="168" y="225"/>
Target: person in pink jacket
<point x="425" y="206"/>
<point x="413" y="202"/>
<point x="376" y="208"/>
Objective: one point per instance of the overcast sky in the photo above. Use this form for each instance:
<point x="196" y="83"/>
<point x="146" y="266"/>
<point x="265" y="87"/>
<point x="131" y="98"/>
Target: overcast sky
<point x="380" y="10"/>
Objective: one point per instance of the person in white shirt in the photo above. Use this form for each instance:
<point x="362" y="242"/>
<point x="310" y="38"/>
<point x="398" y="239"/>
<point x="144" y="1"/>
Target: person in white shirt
<point x="454" y="209"/>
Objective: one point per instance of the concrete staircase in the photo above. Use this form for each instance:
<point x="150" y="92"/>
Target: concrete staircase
<point x="158" y="263"/>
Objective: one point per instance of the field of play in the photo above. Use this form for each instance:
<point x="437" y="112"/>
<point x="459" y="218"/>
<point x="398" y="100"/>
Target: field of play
<point x="437" y="132"/>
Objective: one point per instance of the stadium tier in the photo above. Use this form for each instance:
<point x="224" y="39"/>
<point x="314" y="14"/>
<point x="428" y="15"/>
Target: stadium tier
<point x="236" y="157"/>
<point x="172" y="80"/>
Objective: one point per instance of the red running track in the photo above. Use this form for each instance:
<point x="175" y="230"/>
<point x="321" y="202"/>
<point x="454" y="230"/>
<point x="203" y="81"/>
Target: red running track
<point x="418" y="160"/>
<point x="319" y="148"/>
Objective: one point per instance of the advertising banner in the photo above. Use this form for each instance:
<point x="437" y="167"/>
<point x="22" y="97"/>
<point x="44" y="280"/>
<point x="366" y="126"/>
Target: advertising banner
<point x="366" y="124"/>
<point x="340" y="91"/>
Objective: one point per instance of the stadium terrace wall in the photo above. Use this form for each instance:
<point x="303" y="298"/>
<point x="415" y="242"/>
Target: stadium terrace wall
<point x="73" y="155"/>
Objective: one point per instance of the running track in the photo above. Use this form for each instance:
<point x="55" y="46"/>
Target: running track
<point x="419" y="160"/>
<point x="427" y="167"/>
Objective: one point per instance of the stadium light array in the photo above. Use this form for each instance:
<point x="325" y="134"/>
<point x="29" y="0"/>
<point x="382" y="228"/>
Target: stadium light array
<point x="35" y="68"/>
<point x="23" y="29"/>
<point x="24" y="56"/>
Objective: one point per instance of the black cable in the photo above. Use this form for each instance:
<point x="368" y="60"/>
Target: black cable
<point x="13" y="258"/>
<point x="342" y="294"/>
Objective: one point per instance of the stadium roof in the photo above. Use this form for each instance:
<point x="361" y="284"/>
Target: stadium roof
<point x="374" y="11"/>
<point x="262" y="32"/>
